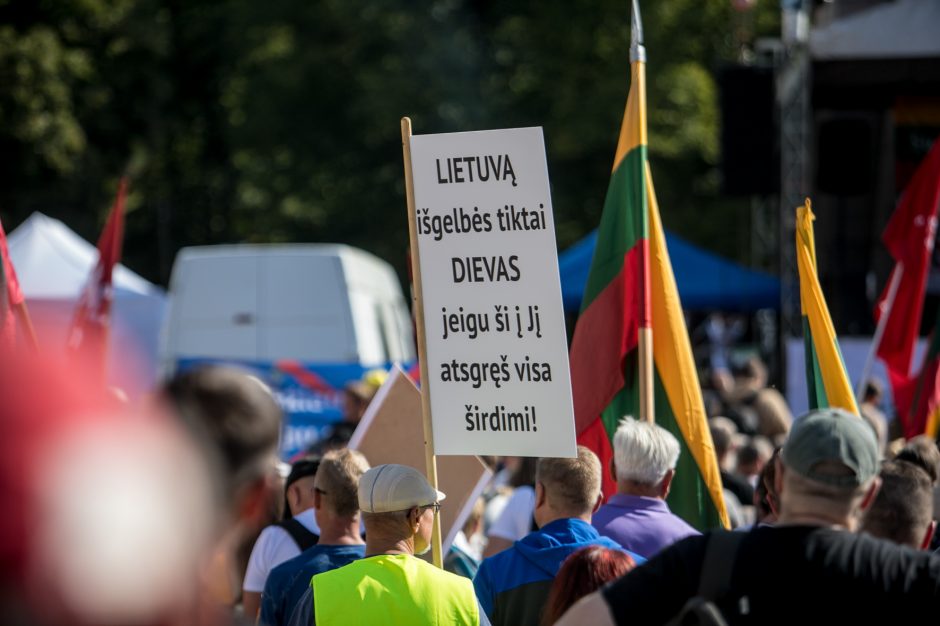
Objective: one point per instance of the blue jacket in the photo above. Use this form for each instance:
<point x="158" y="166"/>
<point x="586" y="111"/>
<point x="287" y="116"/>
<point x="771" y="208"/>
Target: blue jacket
<point x="513" y="586"/>
<point x="288" y="581"/>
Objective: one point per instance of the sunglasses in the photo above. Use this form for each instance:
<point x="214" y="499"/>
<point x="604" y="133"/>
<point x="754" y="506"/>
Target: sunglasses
<point x="436" y="506"/>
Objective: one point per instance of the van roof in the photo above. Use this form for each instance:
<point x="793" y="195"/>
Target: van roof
<point x="361" y="269"/>
<point x="268" y="249"/>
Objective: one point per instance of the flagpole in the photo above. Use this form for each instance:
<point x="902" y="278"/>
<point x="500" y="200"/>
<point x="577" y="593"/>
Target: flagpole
<point x="429" y="457"/>
<point x="637" y="49"/>
<point x="645" y="330"/>
<point x="879" y="330"/>
<point x="23" y="313"/>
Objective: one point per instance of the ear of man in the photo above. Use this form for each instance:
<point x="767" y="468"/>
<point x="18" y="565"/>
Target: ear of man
<point x="414" y="518"/>
<point x="870" y="494"/>
<point x="253" y="503"/>
<point x="293" y="496"/>
<point x="928" y="534"/>
<point x="540" y="496"/>
<point x="666" y="483"/>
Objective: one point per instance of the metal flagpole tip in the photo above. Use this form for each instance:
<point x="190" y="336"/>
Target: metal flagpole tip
<point x="637" y="53"/>
<point x="637" y="49"/>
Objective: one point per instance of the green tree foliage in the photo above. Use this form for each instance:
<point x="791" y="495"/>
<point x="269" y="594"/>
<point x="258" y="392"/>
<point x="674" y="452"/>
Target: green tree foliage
<point x="241" y="120"/>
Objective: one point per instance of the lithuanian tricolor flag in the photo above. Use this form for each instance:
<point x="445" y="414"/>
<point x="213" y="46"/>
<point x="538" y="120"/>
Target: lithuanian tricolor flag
<point x="604" y="359"/>
<point x="826" y="379"/>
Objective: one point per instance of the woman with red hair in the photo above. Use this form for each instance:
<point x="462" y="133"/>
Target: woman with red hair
<point x="583" y="572"/>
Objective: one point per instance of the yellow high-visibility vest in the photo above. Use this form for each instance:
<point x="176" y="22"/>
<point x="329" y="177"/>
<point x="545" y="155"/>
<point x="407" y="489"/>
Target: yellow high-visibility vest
<point x="393" y="589"/>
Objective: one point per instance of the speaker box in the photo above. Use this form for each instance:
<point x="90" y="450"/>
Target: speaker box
<point x="845" y="156"/>
<point x="750" y="162"/>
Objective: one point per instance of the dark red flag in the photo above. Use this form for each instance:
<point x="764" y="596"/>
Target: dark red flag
<point x="11" y="296"/>
<point x="909" y="238"/>
<point x="917" y="397"/>
<point x="89" y="332"/>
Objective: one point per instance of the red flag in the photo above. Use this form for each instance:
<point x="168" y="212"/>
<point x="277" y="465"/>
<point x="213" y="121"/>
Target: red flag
<point x="917" y="397"/>
<point x="909" y="238"/>
<point x="10" y="295"/>
<point x="89" y="331"/>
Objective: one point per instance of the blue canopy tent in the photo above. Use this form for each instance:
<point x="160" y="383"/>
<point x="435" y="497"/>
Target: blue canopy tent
<point x="706" y="281"/>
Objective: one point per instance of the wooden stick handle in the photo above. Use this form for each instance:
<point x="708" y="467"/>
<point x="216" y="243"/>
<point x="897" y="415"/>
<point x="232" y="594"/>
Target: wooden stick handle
<point x="645" y="349"/>
<point x="418" y="306"/>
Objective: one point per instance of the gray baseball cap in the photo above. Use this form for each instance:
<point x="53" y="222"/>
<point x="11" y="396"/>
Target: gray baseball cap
<point x="824" y="438"/>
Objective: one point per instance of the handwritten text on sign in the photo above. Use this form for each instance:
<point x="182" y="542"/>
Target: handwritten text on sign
<point x="494" y="324"/>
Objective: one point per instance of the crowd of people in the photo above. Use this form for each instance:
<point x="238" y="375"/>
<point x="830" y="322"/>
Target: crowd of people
<point x="172" y="511"/>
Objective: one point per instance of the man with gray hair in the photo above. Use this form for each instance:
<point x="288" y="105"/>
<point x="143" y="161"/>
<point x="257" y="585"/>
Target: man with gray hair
<point x="644" y="464"/>
<point x="810" y="568"/>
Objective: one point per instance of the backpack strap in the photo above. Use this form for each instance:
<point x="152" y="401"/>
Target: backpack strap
<point x="303" y="537"/>
<point x="721" y="549"/>
<point x="720" y="554"/>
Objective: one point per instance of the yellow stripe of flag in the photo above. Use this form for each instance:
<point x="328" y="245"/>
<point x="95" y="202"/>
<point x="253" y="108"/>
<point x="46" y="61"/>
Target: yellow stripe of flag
<point x="813" y="303"/>
<point x="672" y="354"/>
<point x="633" y="135"/>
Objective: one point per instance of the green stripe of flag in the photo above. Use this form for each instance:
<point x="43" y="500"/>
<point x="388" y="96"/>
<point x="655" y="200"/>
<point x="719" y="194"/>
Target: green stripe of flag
<point x="623" y="223"/>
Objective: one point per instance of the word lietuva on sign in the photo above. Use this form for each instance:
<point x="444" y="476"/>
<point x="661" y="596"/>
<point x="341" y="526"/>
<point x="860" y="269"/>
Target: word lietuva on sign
<point x="461" y="169"/>
<point x="494" y="327"/>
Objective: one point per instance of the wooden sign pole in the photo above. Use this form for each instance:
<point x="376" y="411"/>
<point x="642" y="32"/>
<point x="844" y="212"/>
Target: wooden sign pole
<point x="418" y="307"/>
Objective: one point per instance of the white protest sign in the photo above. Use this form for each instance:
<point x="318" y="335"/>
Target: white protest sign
<point x="497" y="354"/>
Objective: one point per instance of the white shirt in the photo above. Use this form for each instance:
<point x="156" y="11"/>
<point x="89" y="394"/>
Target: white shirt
<point x="515" y="521"/>
<point x="471" y="547"/>
<point x="273" y="547"/>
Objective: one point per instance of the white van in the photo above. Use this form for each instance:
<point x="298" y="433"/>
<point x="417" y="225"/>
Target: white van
<point x="292" y="314"/>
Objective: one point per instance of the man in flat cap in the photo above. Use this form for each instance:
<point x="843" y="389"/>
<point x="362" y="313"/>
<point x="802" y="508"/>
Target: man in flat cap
<point x="812" y="568"/>
<point x="390" y="585"/>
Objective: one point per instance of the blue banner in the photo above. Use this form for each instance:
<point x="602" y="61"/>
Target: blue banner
<point x="309" y="394"/>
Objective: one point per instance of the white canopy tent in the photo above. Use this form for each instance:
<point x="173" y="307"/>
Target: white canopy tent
<point x="53" y="264"/>
<point x="894" y="30"/>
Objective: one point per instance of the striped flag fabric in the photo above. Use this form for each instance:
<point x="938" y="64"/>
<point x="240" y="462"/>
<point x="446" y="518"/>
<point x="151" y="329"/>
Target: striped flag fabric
<point x="604" y="355"/>
<point x="826" y="378"/>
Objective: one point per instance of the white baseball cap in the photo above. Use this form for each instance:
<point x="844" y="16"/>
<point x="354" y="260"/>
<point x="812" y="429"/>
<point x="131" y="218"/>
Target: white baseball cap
<point x="392" y="487"/>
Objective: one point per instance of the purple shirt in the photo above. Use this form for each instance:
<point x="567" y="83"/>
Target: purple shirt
<point x="640" y="524"/>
